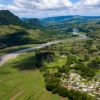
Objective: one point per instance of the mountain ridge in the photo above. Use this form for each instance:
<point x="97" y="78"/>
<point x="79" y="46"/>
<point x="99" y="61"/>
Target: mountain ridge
<point x="7" y="18"/>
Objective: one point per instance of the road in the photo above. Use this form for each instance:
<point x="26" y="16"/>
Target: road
<point x="13" y="55"/>
<point x="6" y="57"/>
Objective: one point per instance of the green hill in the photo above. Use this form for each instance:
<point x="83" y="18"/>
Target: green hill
<point x="6" y="18"/>
<point x="33" y="23"/>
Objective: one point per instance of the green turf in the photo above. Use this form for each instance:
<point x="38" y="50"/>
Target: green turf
<point x="19" y="84"/>
<point x="58" y="62"/>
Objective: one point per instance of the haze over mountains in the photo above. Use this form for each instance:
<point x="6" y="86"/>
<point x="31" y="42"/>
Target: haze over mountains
<point x="6" y="18"/>
<point x="76" y="18"/>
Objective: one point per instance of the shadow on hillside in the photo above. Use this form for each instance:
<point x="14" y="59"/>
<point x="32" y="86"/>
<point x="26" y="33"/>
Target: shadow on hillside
<point x="35" y="61"/>
<point x="25" y="64"/>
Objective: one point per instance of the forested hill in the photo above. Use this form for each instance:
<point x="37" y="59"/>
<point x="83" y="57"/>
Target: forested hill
<point x="6" y="18"/>
<point x="32" y="22"/>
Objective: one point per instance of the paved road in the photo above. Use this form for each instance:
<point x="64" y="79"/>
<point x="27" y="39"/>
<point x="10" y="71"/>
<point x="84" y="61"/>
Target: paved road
<point x="13" y="55"/>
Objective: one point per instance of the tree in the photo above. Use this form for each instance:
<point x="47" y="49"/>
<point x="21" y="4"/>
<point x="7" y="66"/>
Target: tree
<point x="71" y="59"/>
<point x="73" y="51"/>
<point x="86" y="57"/>
<point x="62" y="91"/>
<point x="43" y="56"/>
<point x="51" y="86"/>
<point x="94" y="64"/>
<point x="55" y="90"/>
<point x="88" y="43"/>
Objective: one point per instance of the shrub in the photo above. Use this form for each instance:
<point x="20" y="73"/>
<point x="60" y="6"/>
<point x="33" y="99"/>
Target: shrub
<point x="86" y="57"/>
<point x="62" y="91"/>
<point x="64" y="69"/>
<point x="53" y="80"/>
<point x="58" y="74"/>
<point x="51" y="86"/>
<point x="55" y="90"/>
<point x="94" y="64"/>
<point x="71" y="59"/>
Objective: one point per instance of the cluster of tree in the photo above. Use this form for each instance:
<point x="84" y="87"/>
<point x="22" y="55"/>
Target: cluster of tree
<point x="64" y="69"/>
<point x="88" y="43"/>
<point x="84" y="70"/>
<point x="73" y="95"/>
<point x="86" y="58"/>
<point x="71" y="59"/>
<point x="53" y="85"/>
<point x="33" y="23"/>
<point x="73" y="51"/>
<point x="44" y="57"/>
<point x="94" y="63"/>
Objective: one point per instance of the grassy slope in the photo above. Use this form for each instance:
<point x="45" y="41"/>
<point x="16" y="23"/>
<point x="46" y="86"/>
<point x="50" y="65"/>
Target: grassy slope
<point x="6" y="29"/>
<point x="23" y="84"/>
<point x="32" y="36"/>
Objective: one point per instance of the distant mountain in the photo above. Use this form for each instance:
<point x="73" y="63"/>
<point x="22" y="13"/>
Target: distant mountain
<point x="68" y="22"/>
<point x="32" y="22"/>
<point x="76" y="18"/>
<point x="56" y="19"/>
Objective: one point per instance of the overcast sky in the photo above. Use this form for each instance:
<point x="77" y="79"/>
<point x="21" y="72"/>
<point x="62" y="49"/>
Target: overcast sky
<point x="48" y="8"/>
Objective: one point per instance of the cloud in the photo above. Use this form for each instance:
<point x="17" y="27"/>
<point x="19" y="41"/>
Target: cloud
<point x="88" y="7"/>
<point x="92" y="2"/>
<point x="53" y="7"/>
<point x="41" y="4"/>
<point x="32" y="5"/>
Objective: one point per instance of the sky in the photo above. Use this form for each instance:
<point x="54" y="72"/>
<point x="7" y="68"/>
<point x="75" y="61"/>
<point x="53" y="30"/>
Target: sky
<point x="49" y="8"/>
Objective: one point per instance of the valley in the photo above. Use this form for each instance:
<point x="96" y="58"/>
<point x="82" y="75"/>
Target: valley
<point x="55" y="58"/>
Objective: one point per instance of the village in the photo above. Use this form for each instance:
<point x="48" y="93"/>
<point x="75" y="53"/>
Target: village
<point x="76" y="82"/>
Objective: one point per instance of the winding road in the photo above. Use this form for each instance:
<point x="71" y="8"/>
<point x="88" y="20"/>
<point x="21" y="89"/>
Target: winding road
<point x="6" y="57"/>
<point x="13" y="55"/>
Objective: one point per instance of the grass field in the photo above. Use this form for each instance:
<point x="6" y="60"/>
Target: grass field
<point x="23" y="84"/>
<point x="58" y="62"/>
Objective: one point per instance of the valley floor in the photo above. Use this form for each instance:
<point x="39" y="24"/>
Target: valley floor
<point x="20" y="80"/>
